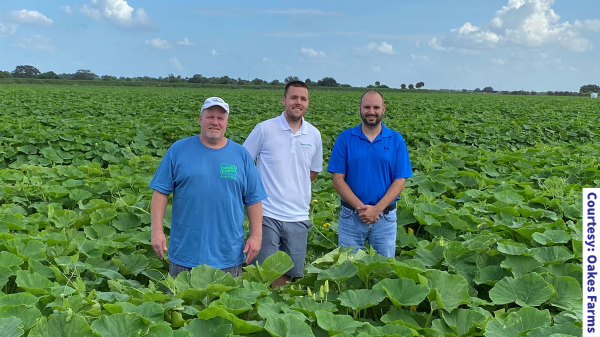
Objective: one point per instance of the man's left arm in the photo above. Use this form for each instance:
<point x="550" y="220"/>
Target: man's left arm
<point x="255" y="240"/>
<point x="316" y="164"/>
<point x="393" y="191"/>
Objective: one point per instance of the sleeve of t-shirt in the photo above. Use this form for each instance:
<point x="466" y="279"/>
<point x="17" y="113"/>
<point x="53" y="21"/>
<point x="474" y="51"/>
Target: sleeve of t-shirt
<point x="403" y="168"/>
<point x="317" y="161"/>
<point x="254" y="142"/>
<point x="337" y="160"/>
<point x="254" y="191"/>
<point x="164" y="177"/>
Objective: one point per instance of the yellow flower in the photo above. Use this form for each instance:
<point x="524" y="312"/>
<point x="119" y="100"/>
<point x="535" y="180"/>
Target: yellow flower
<point x="326" y="225"/>
<point x="413" y="308"/>
<point x="314" y="202"/>
<point x="411" y="231"/>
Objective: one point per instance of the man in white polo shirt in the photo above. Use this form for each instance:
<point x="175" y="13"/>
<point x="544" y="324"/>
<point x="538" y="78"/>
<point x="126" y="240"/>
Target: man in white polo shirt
<point x="289" y="155"/>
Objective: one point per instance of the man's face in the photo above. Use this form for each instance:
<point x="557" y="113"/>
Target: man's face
<point x="213" y="122"/>
<point x="371" y="109"/>
<point x="295" y="103"/>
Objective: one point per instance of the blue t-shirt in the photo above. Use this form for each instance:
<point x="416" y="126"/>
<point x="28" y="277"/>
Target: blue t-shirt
<point x="210" y="188"/>
<point x="370" y="167"/>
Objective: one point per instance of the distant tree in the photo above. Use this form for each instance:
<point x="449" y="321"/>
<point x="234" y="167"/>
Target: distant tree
<point x="4" y="74"/>
<point x="464" y="90"/>
<point x="49" y="75"/>
<point x="275" y="82"/>
<point x="308" y="81"/>
<point x="258" y="81"/>
<point x="488" y="90"/>
<point x="345" y="85"/>
<point x="25" y="71"/>
<point x="477" y="90"/>
<point x="550" y="93"/>
<point x="197" y="78"/>
<point x="402" y="86"/>
<point x="241" y="81"/>
<point x="420" y="85"/>
<point x="383" y="86"/>
<point x="84" y="74"/>
<point x="108" y="78"/>
<point x="377" y="83"/>
<point x="370" y="86"/>
<point x="589" y="88"/>
<point x="291" y="79"/>
<point x="327" y="82"/>
<point x="410" y="86"/>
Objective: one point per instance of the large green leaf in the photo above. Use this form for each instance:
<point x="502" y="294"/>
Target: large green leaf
<point x="447" y="291"/>
<point x="18" y="299"/>
<point x="526" y="319"/>
<point x="527" y="290"/>
<point x="339" y="273"/>
<point x="569" y="293"/>
<point x="463" y="320"/>
<point x="203" y="280"/>
<point x="213" y="327"/>
<point x="11" y="327"/>
<point x="335" y="324"/>
<point x="287" y="326"/>
<point x="362" y="298"/>
<point x="67" y="325"/>
<point x="308" y="306"/>
<point x="520" y="265"/>
<point x="274" y="266"/>
<point x="239" y="326"/>
<point x="33" y="283"/>
<point x="403" y="291"/>
<point x="28" y="316"/>
<point x="120" y="325"/>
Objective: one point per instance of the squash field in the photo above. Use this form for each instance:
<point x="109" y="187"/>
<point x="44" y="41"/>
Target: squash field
<point x="489" y="228"/>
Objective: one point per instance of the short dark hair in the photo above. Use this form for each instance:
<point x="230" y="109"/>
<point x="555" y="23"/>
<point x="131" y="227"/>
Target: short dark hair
<point x="298" y="84"/>
<point x="370" y="91"/>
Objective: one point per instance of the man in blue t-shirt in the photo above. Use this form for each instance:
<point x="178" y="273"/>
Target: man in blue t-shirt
<point x="369" y="164"/>
<point x="212" y="178"/>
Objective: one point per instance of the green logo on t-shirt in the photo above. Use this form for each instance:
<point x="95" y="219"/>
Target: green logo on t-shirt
<point x="228" y="171"/>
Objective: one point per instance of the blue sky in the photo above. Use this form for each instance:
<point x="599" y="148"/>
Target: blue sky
<point x="507" y="44"/>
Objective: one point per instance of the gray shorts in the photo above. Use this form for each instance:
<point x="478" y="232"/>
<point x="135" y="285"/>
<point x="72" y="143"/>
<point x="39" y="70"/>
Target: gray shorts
<point x="175" y="269"/>
<point x="289" y="237"/>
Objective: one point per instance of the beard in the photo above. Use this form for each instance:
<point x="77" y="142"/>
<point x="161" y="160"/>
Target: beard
<point x="369" y="123"/>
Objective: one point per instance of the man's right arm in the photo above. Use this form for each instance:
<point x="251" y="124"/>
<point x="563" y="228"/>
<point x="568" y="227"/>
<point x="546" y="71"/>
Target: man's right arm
<point x="254" y="142"/>
<point x="345" y="192"/>
<point x="158" y="207"/>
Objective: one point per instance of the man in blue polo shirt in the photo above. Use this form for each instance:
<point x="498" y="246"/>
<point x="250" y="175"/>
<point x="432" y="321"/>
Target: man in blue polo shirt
<point x="369" y="164"/>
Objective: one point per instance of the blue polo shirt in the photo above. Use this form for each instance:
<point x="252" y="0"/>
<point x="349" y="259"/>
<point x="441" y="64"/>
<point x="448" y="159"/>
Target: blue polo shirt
<point x="370" y="167"/>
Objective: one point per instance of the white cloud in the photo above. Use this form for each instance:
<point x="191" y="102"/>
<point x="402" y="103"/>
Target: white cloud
<point x="593" y="25"/>
<point x="309" y="52"/>
<point x="34" y="42"/>
<point x="175" y="63"/>
<point x="374" y="48"/>
<point x="499" y="62"/>
<point x="376" y="68"/>
<point x="159" y="43"/>
<point x="30" y="17"/>
<point x="67" y="9"/>
<point x="119" y="14"/>
<point x="242" y="11"/>
<point x="419" y="57"/>
<point x="7" y="29"/>
<point x="525" y="23"/>
<point x="214" y="53"/>
<point x="185" y="42"/>
<point x="266" y="59"/>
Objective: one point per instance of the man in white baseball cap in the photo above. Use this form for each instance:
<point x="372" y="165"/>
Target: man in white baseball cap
<point x="212" y="178"/>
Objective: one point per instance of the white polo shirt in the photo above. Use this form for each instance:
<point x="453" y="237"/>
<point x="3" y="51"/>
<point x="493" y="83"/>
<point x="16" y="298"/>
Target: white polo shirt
<point x="284" y="160"/>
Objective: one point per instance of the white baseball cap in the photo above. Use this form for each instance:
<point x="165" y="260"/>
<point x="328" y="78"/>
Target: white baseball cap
<point x="212" y="101"/>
